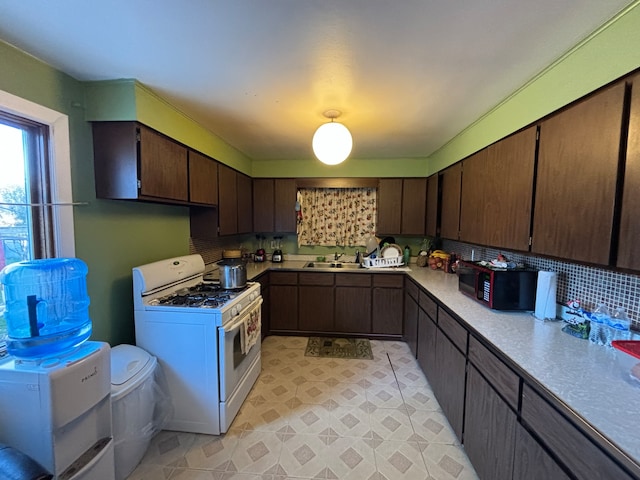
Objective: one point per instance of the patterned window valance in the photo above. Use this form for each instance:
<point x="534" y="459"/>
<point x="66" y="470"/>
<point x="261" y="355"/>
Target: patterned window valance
<point x="336" y="216"/>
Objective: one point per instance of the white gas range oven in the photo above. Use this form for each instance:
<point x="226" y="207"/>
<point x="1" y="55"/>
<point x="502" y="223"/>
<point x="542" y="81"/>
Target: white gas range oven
<point x="199" y="334"/>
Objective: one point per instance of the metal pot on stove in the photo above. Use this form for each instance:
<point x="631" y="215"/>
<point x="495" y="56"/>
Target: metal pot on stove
<point x="233" y="273"/>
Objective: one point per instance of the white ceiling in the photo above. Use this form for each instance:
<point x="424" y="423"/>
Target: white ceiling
<point x="408" y="75"/>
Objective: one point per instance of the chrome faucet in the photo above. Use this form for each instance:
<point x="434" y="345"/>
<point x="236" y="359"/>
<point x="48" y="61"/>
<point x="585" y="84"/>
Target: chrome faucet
<point x="337" y="255"/>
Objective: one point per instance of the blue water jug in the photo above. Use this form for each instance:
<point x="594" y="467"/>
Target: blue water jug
<point x="47" y="306"/>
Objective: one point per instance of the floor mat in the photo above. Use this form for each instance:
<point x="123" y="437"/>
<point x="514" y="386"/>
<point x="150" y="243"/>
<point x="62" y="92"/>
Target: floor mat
<point x="339" y="348"/>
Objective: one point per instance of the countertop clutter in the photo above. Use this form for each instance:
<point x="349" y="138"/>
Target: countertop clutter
<point x="581" y="375"/>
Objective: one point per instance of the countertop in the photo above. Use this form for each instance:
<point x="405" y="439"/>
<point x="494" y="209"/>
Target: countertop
<point x="583" y="376"/>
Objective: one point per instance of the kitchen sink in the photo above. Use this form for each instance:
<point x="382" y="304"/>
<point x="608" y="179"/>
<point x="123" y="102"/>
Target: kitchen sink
<point x="340" y="265"/>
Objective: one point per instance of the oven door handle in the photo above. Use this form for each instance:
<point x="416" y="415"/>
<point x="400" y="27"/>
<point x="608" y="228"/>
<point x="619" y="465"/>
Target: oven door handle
<point x="242" y="315"/>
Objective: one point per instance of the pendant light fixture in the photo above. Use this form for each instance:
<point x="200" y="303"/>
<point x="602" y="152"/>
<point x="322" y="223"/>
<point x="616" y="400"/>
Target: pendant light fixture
<point x="332" y="141"/>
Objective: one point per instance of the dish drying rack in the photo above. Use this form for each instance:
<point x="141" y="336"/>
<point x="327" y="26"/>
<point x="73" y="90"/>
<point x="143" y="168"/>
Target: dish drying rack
<point x="382" y="262"/>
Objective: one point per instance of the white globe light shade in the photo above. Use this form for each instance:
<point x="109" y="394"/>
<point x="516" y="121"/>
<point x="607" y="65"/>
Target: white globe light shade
<point x="332" y="143"/>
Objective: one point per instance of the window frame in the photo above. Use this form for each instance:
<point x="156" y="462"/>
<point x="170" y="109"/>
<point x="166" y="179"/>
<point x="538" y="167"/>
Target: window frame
<point x="59" y="162"/>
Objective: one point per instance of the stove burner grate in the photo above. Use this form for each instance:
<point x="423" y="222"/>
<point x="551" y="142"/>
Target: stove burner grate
<point x="203" y="295"/>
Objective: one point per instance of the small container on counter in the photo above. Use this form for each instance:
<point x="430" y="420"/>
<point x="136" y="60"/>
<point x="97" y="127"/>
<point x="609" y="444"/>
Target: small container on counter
<point x="599" y="324"/>
<point x="406" y="257"/>
<point x="619" y="327"/>
<point x="628" y="356"/>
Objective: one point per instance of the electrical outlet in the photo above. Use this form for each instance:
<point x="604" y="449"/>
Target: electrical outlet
<point x="273" y="244"/>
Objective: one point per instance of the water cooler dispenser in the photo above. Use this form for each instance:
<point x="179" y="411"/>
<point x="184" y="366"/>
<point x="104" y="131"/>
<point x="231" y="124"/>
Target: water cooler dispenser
<point x="55" y="386"/>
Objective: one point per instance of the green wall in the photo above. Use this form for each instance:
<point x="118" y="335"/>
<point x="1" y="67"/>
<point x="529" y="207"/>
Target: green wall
<point x="609" y="53"/>
<point x="130" y="100"/>
<point x="352" y="167"/>
<point x="111" y="236"/>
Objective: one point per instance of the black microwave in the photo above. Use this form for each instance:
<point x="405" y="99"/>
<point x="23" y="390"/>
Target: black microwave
<point x="498" y="288"/>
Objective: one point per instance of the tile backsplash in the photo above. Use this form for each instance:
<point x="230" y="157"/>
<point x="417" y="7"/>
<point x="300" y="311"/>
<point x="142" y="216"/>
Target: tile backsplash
<point x="211" y="250"/>
<point x="590" y="285"/>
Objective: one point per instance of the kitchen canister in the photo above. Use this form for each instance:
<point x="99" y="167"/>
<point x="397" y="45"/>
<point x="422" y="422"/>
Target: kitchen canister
<point x="46" y="306"/>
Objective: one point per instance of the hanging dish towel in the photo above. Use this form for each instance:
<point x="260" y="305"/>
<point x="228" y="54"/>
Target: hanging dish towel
<point x="251" y="329"/>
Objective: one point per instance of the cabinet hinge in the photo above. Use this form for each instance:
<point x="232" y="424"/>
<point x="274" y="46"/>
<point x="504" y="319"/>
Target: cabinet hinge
<point x="139" y="183"/>
<point x="138" y="138"/>
<point x="537" y="134"/>
<point x="530" y="241"/>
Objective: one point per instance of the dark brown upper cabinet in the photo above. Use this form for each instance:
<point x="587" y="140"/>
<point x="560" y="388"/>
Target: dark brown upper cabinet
<point x="274" y="202"/>
<point x="414" y="203"/>
<point x="133" y="162"/>
<point x="431" y="222"/>
<point x="235" y="203"/>
<point x="203" y="179"/>
<point x="401" y="206"/>
<point x="389" y="206"/>
<point x="245" y="203"/>
<point x="473" y="197"/>
<point x="497" y="193"/>
<point x="450" y="202"/>
<point x="227" y="201"/>
<point x="285" y="192"/>
<point x="628" y="250"/>
<point x="578" y="160"/>
<point x="263" y="204"/>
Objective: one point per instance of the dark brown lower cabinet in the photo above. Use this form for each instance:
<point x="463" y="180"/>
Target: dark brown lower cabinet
<point x="449" y="380"/>
<point x="578" y="453"/>
<point x="353" y="303"/>
<point x="386" y="313"/>
<point x="427" y="332"/>
<point x="315" y="308"/>
<point x="283" y="307"/>
<point x="265" y="319"/>
<point x="489" y="430"/>
<point x="410" y="329"/>
<point x="509" y="430"/>
<point x="353" y="309"/>
<point x="532" y="462"/>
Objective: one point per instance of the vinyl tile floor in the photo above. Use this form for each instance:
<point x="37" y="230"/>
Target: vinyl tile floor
<point x="322" y="418"/>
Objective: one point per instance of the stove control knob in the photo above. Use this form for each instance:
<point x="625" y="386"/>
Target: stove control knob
<point x="234" y="311"/>
<point x="252" y="296"/>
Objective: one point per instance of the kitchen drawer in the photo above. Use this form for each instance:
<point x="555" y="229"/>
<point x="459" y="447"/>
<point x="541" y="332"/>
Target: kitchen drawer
<point x="353" y="280"/>
<point x="283" y="278"/>
<point x="429" y="305"/>
<point x="501" y="377"/>
<point x="411" y="288"/>
<point x="315" y="278"/>
<point x="579" y="454"/>
<point x="388" y="281"/>
<point x="452" y="328"/>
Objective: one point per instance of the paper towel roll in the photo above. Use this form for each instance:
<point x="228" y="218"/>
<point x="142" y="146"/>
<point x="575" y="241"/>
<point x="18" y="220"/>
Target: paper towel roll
<point x="546" y="296"/>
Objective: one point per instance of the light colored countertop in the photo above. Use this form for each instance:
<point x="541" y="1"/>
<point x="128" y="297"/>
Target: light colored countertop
<point x="584" y="376"/>
<point x="255" y="269"/>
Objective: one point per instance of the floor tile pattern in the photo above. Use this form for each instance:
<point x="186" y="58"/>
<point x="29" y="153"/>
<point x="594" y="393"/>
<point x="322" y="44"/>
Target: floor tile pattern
<point x="322" y="418"/>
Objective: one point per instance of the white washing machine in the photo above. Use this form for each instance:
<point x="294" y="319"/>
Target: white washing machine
<point x="58" y="411"/>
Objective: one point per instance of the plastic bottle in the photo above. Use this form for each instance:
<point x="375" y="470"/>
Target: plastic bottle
<point x="47" y="306"/>
<point x="619" y="326"/>
<point x="599" y="325"/>
<point x="407" y="255"/>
